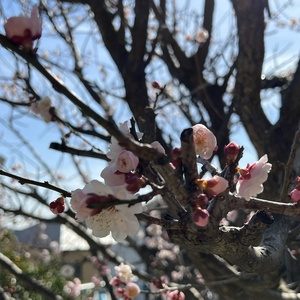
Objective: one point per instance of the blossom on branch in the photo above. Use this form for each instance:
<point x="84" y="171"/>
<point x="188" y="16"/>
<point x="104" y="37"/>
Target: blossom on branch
<point x="118" y="220"/>
<point x="295" y="195"/>
<point x="124" y="273"/>
<point x="213" y="186"/>
<point x="202" y="35"/>
<point x="72" y="288"/>
<point x="205" y="141"/>
<point x="115" y="149"/>
<point x="175" y="295"/>
<point x="122" y="161"/>
<point x="121" y="169"/>
<point x="252" y="177"/>
<point x="24" y="30"/>
<point x="58" y="206"/>
<point x="123" y="286"/>
<point x="42" y="107"/>
<point x="201" y="217"/>
<point x="231" y="152"/>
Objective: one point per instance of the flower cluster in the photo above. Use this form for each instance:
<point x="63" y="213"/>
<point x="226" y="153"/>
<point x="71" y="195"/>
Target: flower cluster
<point x="248" y="184"/>
<point x="72" y="288"/>
<point x="122" y="161"/>
<point x="123" y="286"/>
<point x="120" y="170"/>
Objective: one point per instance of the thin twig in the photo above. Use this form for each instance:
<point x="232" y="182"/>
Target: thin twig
<point x="44" y="184"/>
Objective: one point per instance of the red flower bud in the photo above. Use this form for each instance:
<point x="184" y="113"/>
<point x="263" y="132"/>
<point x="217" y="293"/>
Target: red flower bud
<point x="231" y="152"/>
<point x="201" y="217"/>
<point x="156" y="85"/>
<point x="57" y="206"/>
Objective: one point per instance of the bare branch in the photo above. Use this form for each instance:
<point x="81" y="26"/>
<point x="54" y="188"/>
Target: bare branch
<point x="45" y="184"/>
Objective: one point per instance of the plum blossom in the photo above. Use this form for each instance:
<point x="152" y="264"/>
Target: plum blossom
<point x="42" y="108"/>
<point x="175" y="295"/>
<point x="122" y="161"/>
<point x="120" y="170"/>
<point x="295" y="195"/>
<point x="205" y="141"/>
<point x="115" y="149"/>
<point x="124" y="273"/>
<point x="252" y="177"/>
<point x="123" y="286"/>
<point x="231" y="152"/>
<point x="213" y="186"/>
<point x="114" y="173"/>
<point x="111" y="177"/>
<point x="24" y="30"/>
<point x="119" y="220"/>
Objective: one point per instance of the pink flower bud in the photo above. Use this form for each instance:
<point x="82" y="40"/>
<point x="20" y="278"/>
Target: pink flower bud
<point x="115" y="281"/>
<point x="295" y="195"/>
<point x="176" y="156"/>
<point x="156" y="85"/>
<point x="231" y="152"/>
<point x="156" y="145"/>
<point x="127" y="161"/>
<point x="119" y="292"/>
<point x="201" y="217"/>
<point x="201" y="201"/>
<point x="205" y="141"/>
<point x="202" y="35"/>
<point x="131" y="289"/>
<point x="57" y="206"/>
<point x="175" y="295"/>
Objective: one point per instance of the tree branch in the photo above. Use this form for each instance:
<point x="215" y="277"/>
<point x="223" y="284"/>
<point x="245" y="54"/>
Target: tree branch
<point x="74" y="151"/>
<point x="45" y="184"/>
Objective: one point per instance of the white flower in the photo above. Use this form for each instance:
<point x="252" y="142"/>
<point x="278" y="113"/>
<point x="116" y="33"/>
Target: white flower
<point x="124" y="273"/>
<point x="118" y="220"/>
<point x="42" y="108"/>
<point x="250" y="182"/>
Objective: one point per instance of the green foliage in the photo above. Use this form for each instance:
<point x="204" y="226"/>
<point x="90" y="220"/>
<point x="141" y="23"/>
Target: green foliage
<point x="38" y="264"/>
